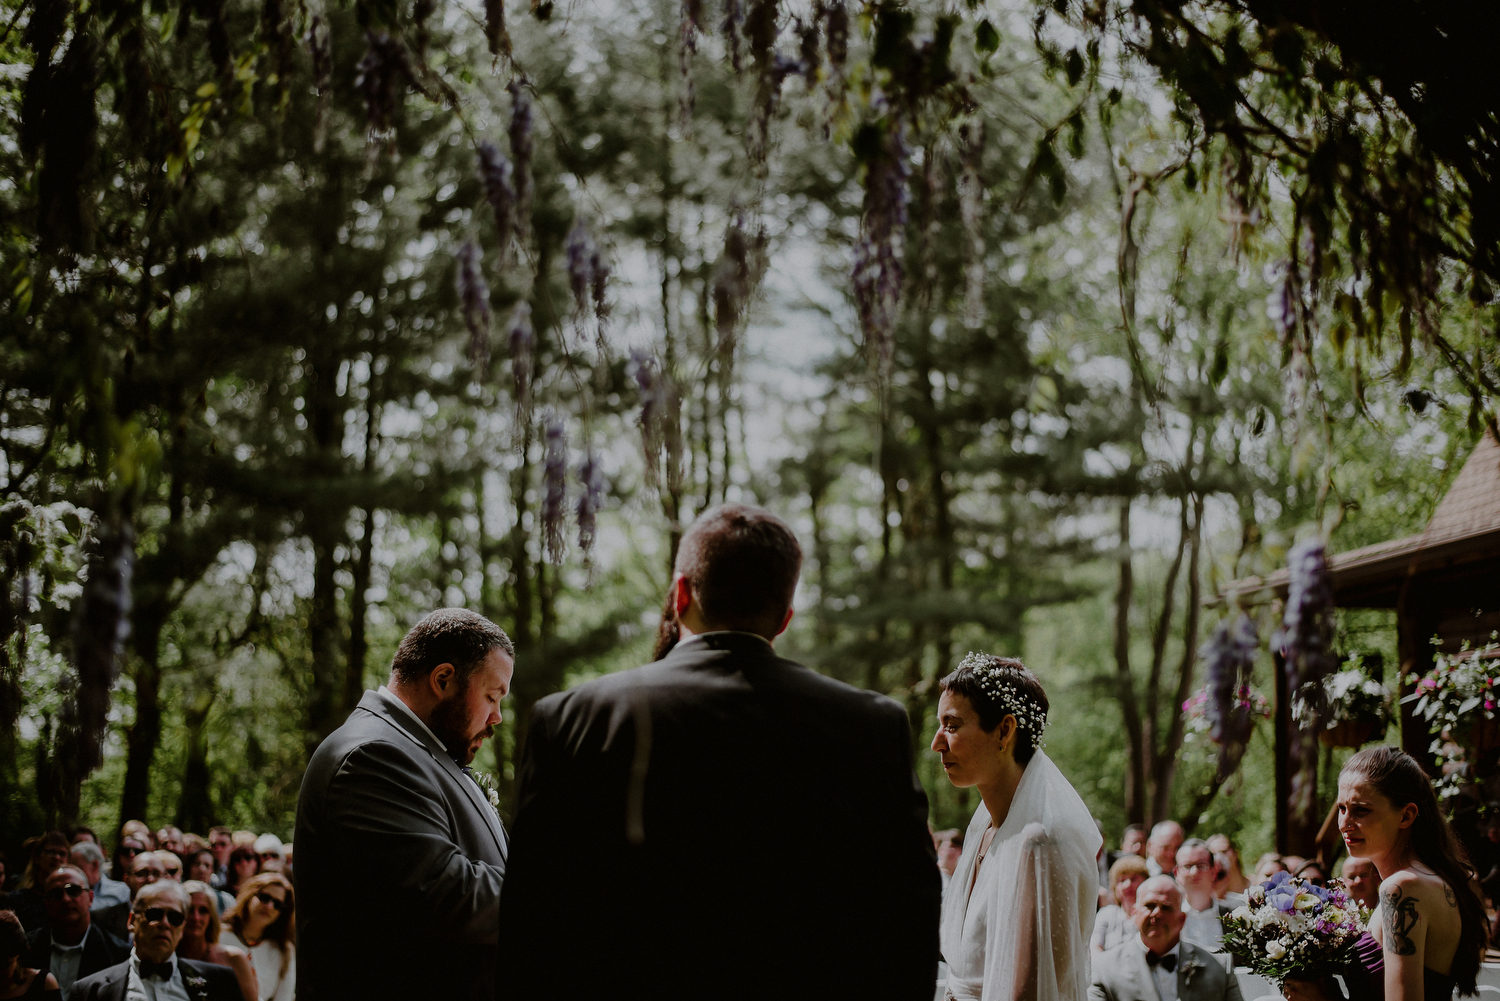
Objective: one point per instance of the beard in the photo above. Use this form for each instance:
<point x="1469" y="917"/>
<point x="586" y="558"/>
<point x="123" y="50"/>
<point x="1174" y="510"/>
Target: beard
<point x="450" y="723"/>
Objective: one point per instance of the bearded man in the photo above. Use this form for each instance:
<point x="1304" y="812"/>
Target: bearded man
<point x="400" y="854"/>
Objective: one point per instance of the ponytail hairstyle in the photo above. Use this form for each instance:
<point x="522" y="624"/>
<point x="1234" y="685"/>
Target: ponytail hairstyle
<point x="998" y="687"/>
<point x="1396" y="775"/>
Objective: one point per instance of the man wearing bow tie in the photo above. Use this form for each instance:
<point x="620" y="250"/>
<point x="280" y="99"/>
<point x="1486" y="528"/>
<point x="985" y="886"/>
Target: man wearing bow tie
<point x="1157" y="965"/>
<point x="153" y="972"/>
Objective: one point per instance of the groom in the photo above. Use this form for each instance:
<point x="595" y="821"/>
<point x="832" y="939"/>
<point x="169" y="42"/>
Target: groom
<point x="400" y="855"/>
<point x="722" y="823"/>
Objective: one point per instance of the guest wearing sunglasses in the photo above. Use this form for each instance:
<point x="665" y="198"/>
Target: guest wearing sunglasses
<point x="17" y="980"/>
<point x="145" y="869"/>
<point x="200" y="938"/>
<point x="45" y="853"/>
<point x="125" y="852"/>
<point x="264" y="924"/>
<point x="69" y="944"/>
<point x="154" y="972"/>
<point x="243" y="863"/>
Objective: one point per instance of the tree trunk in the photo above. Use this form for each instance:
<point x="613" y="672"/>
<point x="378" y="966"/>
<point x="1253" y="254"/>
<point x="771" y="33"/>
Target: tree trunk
<point x="195" y="807"/>
<point x="1167" y="755"/>
<point x="1135" y="761"/>
<point x="144" y="735"/>
<point x="326" y="531"/>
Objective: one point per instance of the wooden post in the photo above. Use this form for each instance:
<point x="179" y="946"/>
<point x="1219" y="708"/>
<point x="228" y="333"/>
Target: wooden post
<point x="1416" y="622"/>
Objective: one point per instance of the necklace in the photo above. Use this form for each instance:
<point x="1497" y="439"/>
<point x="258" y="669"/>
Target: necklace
<point x="985" y="846"/>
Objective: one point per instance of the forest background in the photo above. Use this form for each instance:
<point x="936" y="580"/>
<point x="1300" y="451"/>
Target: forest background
<point x="296" y="379"/>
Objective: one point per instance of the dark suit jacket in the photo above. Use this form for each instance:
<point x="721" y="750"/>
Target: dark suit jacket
<point x="113" y="918"/>
<point x="101" y="950"/>
<point x="399" y="864"/>
<point x="721" y="824"/>
<point x="204" y="982"/>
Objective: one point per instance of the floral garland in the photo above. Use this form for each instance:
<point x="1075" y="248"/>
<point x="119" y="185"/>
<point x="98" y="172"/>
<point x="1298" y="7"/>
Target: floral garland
<point x="1455" y="699"/>
<point x="1030" y="716"/>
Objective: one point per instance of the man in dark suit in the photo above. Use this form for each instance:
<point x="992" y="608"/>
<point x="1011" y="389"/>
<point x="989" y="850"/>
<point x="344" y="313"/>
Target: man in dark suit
<point x="400" y="852"/>
<point x="69" y="946"/>
<point x="661" y="846"/>
<point x="153" y="968"/>
<point x="145" y="869"/>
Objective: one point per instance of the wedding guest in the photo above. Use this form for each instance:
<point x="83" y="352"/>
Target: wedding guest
<point x="138" y="829"/>
<point x="264" y="924"/>
<point x="1114" y="923"/>
<point x="200" y="938"/>
<point x="1267" y="866"/>
<point x="200" y="867"/>
<point x="44" y="853"/>
<point x="1161" y="847"/>
<point x="221" y="843"/>
<point x="81" y="834"/>
<point x="171" y="865"/>
<point x="1362" y="881"/>
<point x="126" y="849"/>
<point x="1132" y="842"/>
<point x="1312" y="870"/>
<point x="245" y="838"/>
<point x="153" y="970"/>
<point x="69" y="945"/>
<point x="243" y="863"/>
<point x="269" y="850"/>
<point x="17" y="980"/>
<point x="169" y="839"/>
<point x="1203" y="913"/>
<point x="1158" y="964"/>
<point x="950" y="845"/>
<point x="89" y="857"/>
<point x="1433" y="922"/>
<point x="1235" y="880"/>
<point x="145" y="870"/>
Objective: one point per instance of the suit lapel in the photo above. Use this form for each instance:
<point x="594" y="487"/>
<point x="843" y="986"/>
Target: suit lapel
<point x="374" y="703"/>
<point x="113" y="988"/>
<point x="1189" y="958"/>
<point x="1140" y="973"/>
<point x="94" y="957"/>
<point x="193" y="981"/>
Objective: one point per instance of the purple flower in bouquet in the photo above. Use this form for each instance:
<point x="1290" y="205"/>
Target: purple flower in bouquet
<point x="1289" y="927"/>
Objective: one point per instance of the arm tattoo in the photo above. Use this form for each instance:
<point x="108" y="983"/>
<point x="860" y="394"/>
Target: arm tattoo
<point x="1400" y="920"/>
<point x="1448" y="893"/>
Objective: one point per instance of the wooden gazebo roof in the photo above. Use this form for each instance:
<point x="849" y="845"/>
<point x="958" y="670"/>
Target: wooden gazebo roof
<point x="1464" y="531"/>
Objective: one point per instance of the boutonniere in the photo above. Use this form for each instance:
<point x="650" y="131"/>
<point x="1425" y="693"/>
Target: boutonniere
<point x="486" y="784"/>
<point x="194" y="982"/>
<point x="1189" y="969"/>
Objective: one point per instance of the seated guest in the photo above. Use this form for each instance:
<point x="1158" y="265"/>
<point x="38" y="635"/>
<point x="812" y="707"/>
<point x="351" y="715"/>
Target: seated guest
<point x="1113" y="924"/>
<point x="115" y="918"/>
<point x="1362" y="880"/>
<point x="243" y="863"/>
<point x="89" y="857"/>
<point x="169" y="839"/>
<point x="221" y="843"/>
<point x="1312" y="870"/>
<point x="153" y="970"/>
<point x="264" y="923"/>
<point x="271" y="852"/>
<point x="200" y="867"/>
<point x="81" y="834"/>
<point x="1235" y="879"/>
<point x="69" y="945"/>
<point x="1269" y="865"/>
<point x="1158" y="964"/>
<point x="137" y="829"/>
<point x="126" y="850"/>
<point x="950" y="846"/>
<point x="1161" y="847"/>
<point x="192" y="843"/>
<point x="200" y="938"/>
<point x="1132" y="842"/>
<point x="44" y="853"/>
<point x="171" y="865"/>
<point x="245" y="838"/>
<point x="17" y="980"/>
<point x="1204" y="913"/>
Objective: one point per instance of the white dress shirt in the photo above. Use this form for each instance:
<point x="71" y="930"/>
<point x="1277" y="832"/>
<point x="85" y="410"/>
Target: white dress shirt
<point x="138" y="988"/>
<point x="66" y="959"/>
<point x="277" y="982"/>
<point x="394" y="701"/>
<point x="1165" y="980"/>
<point x="1203" y="928"/>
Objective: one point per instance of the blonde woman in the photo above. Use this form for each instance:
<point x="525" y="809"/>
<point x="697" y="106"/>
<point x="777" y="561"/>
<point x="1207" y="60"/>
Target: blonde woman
<point x="263" y="922"/>
<point x="1112" y="925"/>
<point x="200" y="938"/>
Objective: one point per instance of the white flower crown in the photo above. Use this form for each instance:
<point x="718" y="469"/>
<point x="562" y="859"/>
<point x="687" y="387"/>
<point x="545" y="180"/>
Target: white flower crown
<point x="1030" y="716"/>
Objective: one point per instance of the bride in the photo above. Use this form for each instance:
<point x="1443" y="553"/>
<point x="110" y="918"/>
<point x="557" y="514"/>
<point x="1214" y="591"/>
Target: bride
<point x="1018" y="912"/>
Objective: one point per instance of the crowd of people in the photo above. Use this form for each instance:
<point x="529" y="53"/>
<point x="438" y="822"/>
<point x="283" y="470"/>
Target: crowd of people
<point x="75" y="920"/>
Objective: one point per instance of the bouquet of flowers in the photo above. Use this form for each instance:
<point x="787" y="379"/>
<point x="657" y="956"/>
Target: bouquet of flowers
<point x="1290" y="928"/>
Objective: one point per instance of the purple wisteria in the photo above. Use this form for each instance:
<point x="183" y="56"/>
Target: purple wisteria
<point x="1306" y="634"/>
<point x="555" y="488"/>
<point x="522" y="345"/>
<point x="648" y="382"/>
<point x="590" y="500"/>
<point x="498" y="176"/>
<point x="474" y="303"/>
<point x="588" y="278"/>
<point x="379" y="76"/>
<point x="1228" y="657"/>
<point x="522" y="125"/>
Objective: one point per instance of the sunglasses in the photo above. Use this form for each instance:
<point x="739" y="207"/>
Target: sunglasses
<point x="72" y="890"/>
<point x="156" y="914"/>
<point x="270" y="901"/>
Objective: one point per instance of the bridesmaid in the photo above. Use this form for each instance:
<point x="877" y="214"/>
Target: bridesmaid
<point x="1430" y="922"/>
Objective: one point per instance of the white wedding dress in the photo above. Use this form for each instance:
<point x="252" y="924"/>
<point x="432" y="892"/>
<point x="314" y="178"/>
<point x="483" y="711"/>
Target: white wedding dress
<point x="1022" y="932"/>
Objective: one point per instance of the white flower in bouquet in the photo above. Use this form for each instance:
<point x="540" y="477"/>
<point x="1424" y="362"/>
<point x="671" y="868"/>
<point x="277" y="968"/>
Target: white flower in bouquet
<point x="1275" y="949"/>
<point x="1290" y="927"/>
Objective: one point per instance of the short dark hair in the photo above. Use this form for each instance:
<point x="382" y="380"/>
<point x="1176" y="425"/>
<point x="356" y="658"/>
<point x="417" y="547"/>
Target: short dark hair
<point x="12" y="935"/>
<point x="1018" y="684"/>
<point x="742" y="563"/>
<point x="454" y="636"/>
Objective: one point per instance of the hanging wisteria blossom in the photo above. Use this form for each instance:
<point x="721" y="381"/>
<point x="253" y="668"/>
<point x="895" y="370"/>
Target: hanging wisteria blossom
<point x="642" y="368"/>
<point x="522" y="345"/>
<point x="590" y="500"/>
<point x="474" y="303"/>
<point x="497" y="174"/>
<point x="555" y="489"/>
<point x="1307" y="625"/>
<point x="1228" y="657"/>
<point x="878" y="270"/>
<point x="522" y="122"/>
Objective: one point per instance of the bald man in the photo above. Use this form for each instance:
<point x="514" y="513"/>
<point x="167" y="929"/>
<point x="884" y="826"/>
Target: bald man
<point x="1161" y="847"/>
<point x="1158" y="964"/>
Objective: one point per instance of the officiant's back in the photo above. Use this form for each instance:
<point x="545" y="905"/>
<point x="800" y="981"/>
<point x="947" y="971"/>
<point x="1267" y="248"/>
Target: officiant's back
<point x="723" y="822"/>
